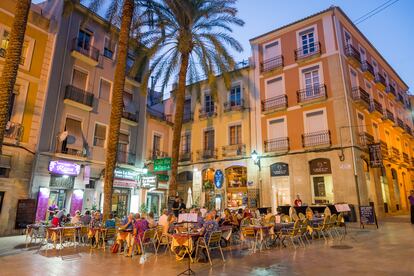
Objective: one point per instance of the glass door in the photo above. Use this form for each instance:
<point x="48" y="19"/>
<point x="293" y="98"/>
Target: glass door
<point x="308" y="43"/>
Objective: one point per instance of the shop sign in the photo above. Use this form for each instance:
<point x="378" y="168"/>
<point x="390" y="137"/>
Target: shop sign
<point x="163" y="186"/>
<point x="162" y="164"/>
<point x="122" y="173"/>
<point x="320" y="166"/>
<point x="64" y="168"/>
<point x="163" y="177"/>
<point x="279" y="169"/>
<point x="62" y="182"/>
<point x="124" y="183"/>
<point x="149" y="181"/>
<point x="375" y="156"/>
<point x="218" y="179"/>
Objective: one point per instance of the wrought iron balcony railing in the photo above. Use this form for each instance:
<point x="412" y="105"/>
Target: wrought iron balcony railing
<point x="79" y="95"/>
<point x="277" y="145"/>
<point x="365" y="139"/>
<point x="234" y="150"/>
<point x="367" y="67"/>
<point x="159" y="115"/>
<point x="316" y="139"/>
<point x="313" y="49"/>
<point x="188" y="117"/>
<point x="234" y="105"/>
<point x="206" y="112"/>
<point x="155" y="154"/>
<point x="311" y="93"/>
<point x="351" y="52"/>
<point x="185" y="156"/>
<point x="400" y="124"/>
<point x="375" y="106"/>
<point x="271" y="64"/>
<point x="130" y="116"/>
<point x="85" y="49"/>
<point x="389" y="116"/>
<point x="275" y="103"/>
<point x="124" y="157"/>
<point x="207" y="154"/>
<point x="359" y="94"/>
<point x="408" y="129"/>
<point x="380" y="79"/>
<point x="61" y="147"/>
<point x="13" y="131"/>
<point x="391" y="89"/>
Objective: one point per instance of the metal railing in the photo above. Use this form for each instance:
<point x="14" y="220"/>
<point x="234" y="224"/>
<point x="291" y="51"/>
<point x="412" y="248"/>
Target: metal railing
<point x="159" y="115"/>
<point x="360" y="94"/>
<point x="206" y="112"/>
<point x="62" y="148"/>
<point x="367" y="67"/>
<point x="395" y="154"/>
<point x="406" y="158"/>
<point x="79" y="95"/>
<point x="351" y="52"/>
<point x="401" y="99"/>
<point x="3" y="52"/>
<point x="125" y="157"/>
<point x="365" y="139"/>
<point x="234" y="105"/>
<point x="375" y="106"/>
<point x="312" y="93"/>
<point x="384" y="149"/>
<point x="188" y="117"/>
<point x="277" y="144"/>
<point x="207" y="154"/>
<point x="320" y="138"/>
<point x="130" y="116"/>
<point x="185" y="156"/>
<point x="271" y="63"/>
<point x="400" y="123"/>
<point x="234" y="150"/>
<point x="391" y="89"/>
<point x="308" y="51"/>
<point x="155" y="154"/>
<point x="85" y="49"/>
<point x="13" y="131"/>
<point x="389" y="116"/>
<point x="275" y="103"/>
<point x="380" y="79"/>
<point x="408" y="129"/>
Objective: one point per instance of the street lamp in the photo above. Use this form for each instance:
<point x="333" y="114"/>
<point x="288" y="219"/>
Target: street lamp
<point x="256" y="159"/>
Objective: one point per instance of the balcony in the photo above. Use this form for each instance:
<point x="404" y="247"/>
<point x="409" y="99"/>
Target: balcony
<point x="277" y="145"/>
<point x="207" y="112"/>
<point x="234" y="106"/>
<point x="85" y="52"/>
<point x="400" y="99"/>
<point x="391" y="91"/>
<point x="388" y="117"/>
<point x="380" y="82"/>
<point x="61" y="148"/>
<point x="353" y="55"/>
<point x="384" y="150"/>
<point x="412" y="161"/>
<point x="307" y="52"/>
<point x="186" y="156"/>
<point x="13" y="131"/>
<point x="124" y="157"/>
<point x="317" y="139"/>
<point x="408" y="130"/>
<point x="361" y="97"/>
<point x="368" y="70"/>
<point x="158" y="115"/>
<point x="271" y="64"/>
<point x="207" y="154"/>
<point x="79" y="98"/>
<point x="275" y="104"/>
<point x="395" y="154"/>
<point x="234" y="150"/>
<point x="406" y="158"/>
<point x="130" y="118"/>
<point x="3" y="52"/>
<point x="188" y="117"/>
<point x="376" y="109"/>
<point x="365" y="139"/>
<point x="315" y="93"/>
<point x="156" y="154"/>
<point x="399" y="125"/>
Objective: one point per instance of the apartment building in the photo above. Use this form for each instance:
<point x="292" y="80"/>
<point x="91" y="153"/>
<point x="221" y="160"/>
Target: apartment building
<point x="326" y="94"/>
<point x="70" y="158"/>
<point x="27" y="103"/>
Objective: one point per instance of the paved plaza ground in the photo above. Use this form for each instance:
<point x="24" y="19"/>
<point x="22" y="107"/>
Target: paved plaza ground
<point x="386" y="251"/>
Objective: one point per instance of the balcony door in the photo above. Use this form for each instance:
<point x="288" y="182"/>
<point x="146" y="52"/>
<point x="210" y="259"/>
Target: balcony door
<point x="156" y="144"/>
<point x="84" y="40"/>
<point x="123" y="143"/>
<point x="186" y="142"/>
<point x="79" y="79"/>
<point x="315" y="121"/>
<point x="277" y="129"/>
<point x="235" y="96"/>
<point x="361" y="123"/>
<point x="307" y="39"/>
<point x="209" y="141"/>
<point x="312" y="82"/>
<point x="353" y="78"/>
<point x="274" y="87"/>
<point x="235" y="135"/>
<point x="208" y="103"/>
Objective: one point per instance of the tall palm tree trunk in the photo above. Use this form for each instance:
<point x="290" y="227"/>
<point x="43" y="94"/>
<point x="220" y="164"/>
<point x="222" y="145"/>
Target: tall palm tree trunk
<point x="12" y="61"/>
<point x="117" y="105"/>
<point x="178" y="121"/>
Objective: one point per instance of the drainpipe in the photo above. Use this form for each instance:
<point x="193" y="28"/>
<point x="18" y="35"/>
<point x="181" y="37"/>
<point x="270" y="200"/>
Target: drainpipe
<point x="348" y="111"/>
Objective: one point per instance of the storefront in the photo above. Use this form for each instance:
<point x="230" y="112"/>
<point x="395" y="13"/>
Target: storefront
<point x="279" y="175"/>
<point x="321" y="181"/>
<point x="124" y="195"/>
<point x="184" y="182"/>
<point x="236" y="187"/>
<point x="207" y="188"/>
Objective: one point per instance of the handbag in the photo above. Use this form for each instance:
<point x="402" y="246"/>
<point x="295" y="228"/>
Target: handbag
<point x="115" y="248"/>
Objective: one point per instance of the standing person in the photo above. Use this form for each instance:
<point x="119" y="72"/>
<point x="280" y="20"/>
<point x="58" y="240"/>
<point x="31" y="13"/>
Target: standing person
<point x="176" y="207"/>
<point x="182" y="206"/>
<point x="411" y="199"/>
<point x="298" y="201"/>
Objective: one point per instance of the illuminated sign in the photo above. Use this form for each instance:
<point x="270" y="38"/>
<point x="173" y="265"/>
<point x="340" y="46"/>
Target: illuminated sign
<point x="64" y="168"/>
<point x="149" y="181"/>
<point x="125" y="174"/>
<point x="218" y="179"/>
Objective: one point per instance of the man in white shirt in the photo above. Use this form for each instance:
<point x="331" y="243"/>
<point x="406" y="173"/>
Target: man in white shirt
<point x="163" y="218"/>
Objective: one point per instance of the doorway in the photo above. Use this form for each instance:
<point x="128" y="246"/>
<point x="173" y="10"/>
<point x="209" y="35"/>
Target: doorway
<point x="396" y="187"/>
<point x="280" y="192"/>
<point x="120" y="201"/>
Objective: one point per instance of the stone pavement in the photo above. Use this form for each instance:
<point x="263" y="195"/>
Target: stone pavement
<point x="386" y="251"/>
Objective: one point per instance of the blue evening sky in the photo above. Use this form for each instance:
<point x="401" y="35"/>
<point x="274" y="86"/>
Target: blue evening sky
<point x="389" y="31"/>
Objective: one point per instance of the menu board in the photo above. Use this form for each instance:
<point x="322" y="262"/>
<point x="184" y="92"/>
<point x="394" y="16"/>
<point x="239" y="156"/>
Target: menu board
<point x="26" y="213"/>
<point x="253" y="198"/>
<point x="367" y="216"/>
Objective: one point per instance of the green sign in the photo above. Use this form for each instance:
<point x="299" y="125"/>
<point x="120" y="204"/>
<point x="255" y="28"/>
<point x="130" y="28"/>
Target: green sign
<point x="122" y="173"/>
<point x="162" y="164"/>
<point x="163" y="177"/>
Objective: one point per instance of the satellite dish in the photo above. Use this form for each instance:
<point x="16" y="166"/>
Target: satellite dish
<point x="70" y="139"/>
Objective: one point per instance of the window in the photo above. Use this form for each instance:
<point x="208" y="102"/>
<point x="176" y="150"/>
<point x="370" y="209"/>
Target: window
<point x="84" y="40"/>
<point x="123" y="142"/>
<point x="307" y="39"/>
<point x="156" y="143"/>
<point x="235" y="135"/>
<point x="361" y="122"/>
<point x="363" y="54"/>
<point x="130" y="61"/>
<point x="79" y="79"/>
<point x="186" y="142"/>
<point x="315" y="121"/>
<point x="277" y="129"/>
<point x="209" y="139"/>
<point x="312" y="81"/>
<point x="354" y="78"/>
<point x="105" y="90"/>
<point x="274" y="87"/>
<point x="348" y="38"/>
<point x="5" y="165"/>
<point x="271" y="50"/>
<point x="109" y="48"/>
<point x="235" y="96"/>
<point x="74" y="139"/>
<point x="387" y="81"/>
<point x="208" y="103"/>
<point x="99" y="136"/>
<point x="368" y="87"/>
<point x="375" y="65"/>
<point x="12" y="101"/>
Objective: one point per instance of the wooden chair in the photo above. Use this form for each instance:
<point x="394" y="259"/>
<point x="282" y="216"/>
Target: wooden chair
<point x="212" y="243"/>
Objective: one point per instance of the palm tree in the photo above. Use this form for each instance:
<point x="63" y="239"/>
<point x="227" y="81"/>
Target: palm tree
<point x="190" y="36"/>
<point x="12" y="61"/>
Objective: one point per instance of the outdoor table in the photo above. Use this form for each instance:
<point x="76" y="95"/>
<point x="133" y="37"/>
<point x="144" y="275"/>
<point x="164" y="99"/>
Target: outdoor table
<point x="97" y="233"/>
<point x="184" y="241"/>
<point x="125" y="235"/>
<point x="55" y="233"/>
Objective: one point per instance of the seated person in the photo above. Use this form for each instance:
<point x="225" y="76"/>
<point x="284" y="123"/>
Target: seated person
<point x="140" y="226"/>
<point x="151" y="221"/>
<point x="127" y="226"/>
<point x="110" y="222"/>
<point x="163" y="218"/>
<point x="210" y="225"/>
<point x="76" y="219"/>
<point x="55" y="220"/>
